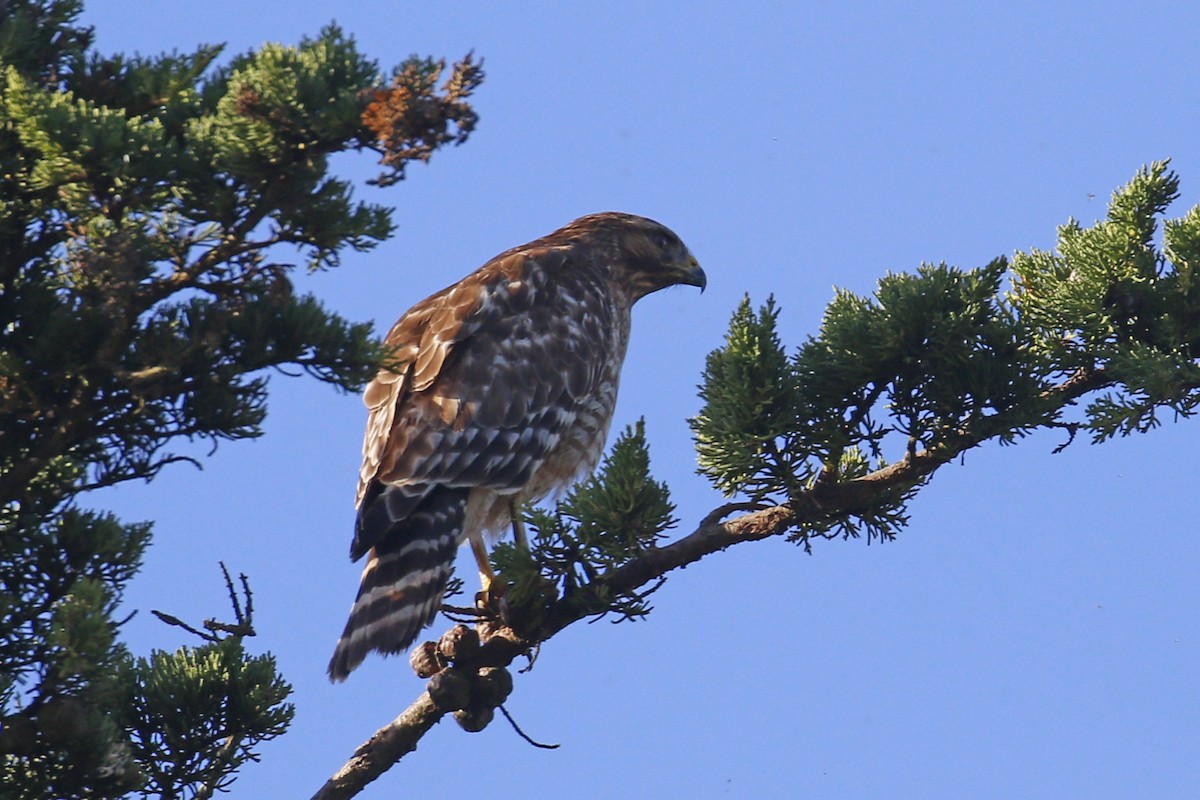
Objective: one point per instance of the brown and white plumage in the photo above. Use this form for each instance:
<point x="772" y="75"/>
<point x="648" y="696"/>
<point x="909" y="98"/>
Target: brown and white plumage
<point x="501" y="391"/>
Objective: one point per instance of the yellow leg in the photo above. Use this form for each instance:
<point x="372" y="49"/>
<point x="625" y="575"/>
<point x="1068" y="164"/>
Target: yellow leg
<point x="486" y="576"/>
<point x="520" y="538"/>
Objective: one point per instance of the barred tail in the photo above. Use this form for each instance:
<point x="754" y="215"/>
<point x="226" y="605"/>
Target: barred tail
<point x="404" y="579"/>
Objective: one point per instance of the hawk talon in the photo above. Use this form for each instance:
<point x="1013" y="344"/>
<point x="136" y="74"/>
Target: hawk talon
<point x="462" y="613"/>
<point x="492" y="610"/>
<point x="491" y="603"/>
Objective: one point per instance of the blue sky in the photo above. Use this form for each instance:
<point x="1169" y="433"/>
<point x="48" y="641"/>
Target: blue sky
<point x="1034" y="631"/>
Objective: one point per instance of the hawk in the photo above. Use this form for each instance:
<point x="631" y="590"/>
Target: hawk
<point x="500" y="392"/>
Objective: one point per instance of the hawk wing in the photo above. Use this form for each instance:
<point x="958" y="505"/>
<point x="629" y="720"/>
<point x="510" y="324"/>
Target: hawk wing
<point x="490" y="375"/>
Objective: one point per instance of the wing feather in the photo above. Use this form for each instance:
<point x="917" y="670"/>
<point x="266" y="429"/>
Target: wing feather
<point x="487" y="379"/>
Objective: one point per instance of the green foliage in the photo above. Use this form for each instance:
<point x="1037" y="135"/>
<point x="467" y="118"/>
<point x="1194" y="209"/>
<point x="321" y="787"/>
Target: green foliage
<point x="56" y="611"/>
<point x="601" y="524"/>
<point x="936" y="346"/>
<point x="744" y="434"/>
<point x="1110" y="297"/>
<point x="929" y="356"/>
<point x="145" y="206"/>
<point x="40" y="38"/>
<point x="196" y="715"/>
<point x="937" y="362"/>
<point x="61" y="585"/>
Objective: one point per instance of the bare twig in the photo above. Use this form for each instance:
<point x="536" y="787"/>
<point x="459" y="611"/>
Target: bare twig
<point x="522" y="733"/>
<point x="170" y="619"/>
<point x="214" y="630"/>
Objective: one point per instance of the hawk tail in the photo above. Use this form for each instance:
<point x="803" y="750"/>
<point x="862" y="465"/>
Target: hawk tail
<point x="403" y="581"/>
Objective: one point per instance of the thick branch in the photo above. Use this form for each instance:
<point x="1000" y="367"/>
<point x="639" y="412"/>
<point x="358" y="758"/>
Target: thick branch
<point x="389" y="744"/>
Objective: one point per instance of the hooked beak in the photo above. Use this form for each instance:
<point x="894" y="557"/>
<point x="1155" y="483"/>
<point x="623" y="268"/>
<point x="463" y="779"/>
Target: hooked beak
<point x="691" y="274"/>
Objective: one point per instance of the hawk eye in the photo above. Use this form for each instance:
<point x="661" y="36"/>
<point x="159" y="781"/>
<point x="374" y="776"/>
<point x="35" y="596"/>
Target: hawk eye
<point x="661" y="240"/>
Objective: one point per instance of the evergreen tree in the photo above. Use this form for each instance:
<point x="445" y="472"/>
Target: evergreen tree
<point x="142" y="200"/>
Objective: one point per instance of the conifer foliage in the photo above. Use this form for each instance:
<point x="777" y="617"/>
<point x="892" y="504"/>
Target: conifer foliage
<point x="941" y="360"/>
<point x="145" y="203"/>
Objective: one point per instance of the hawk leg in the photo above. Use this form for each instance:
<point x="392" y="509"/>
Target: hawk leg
<point x="489" y="602"/>
<point x="486" y="575"/>
<point x="520" y="538"/>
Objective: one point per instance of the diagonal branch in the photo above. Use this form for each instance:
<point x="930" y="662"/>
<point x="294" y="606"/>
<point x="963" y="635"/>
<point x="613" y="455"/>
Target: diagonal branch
<point x="821" y="502"/>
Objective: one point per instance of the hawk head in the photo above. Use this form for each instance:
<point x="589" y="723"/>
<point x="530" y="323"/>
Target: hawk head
<point x="645" y="255"/>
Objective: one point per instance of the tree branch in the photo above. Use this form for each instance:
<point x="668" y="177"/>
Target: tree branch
<point x="389" y="744"/>
<point x="821" y="502"/>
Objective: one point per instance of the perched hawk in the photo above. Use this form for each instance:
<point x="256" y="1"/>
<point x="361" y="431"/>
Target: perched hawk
<point x="502" y="392"/>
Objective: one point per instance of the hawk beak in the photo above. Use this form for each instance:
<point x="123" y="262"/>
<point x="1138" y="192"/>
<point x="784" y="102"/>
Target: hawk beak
<point x="691" y="274"/>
